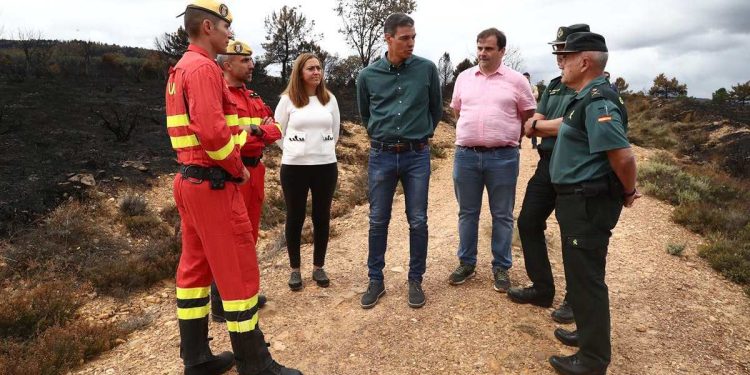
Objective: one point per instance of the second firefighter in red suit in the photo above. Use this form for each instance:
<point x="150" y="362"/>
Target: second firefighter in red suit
<point x="256" y="118"/>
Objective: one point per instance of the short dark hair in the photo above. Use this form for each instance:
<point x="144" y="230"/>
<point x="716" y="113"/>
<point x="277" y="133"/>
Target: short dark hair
<point x="527" y="74"/>
<point x="496" y="33"/>
<point x="396" y="20"/>
<point x="194" y="18"/>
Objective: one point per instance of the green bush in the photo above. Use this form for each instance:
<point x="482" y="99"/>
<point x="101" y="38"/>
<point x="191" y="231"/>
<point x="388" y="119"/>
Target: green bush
<point x="675" y="249"/>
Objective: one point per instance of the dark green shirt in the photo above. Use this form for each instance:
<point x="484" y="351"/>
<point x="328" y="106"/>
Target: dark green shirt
<point x="400" y="103"/>
<point x="552" y="104"/>
<point x="582" y="155"/>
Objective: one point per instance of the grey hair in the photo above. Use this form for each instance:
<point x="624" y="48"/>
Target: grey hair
<point x="221" y="59"/>
<point x="394" y="21"/>
<point x="599" y="58"/>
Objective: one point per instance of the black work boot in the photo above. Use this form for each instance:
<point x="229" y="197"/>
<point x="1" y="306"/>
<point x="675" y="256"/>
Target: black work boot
<point x="569" y="338"/>
<point x="564" y="313"/>
<point x="195" y="352"/>
<point x="253" y="357"/>
<point x="416" y="294"/>
<point x="532" y="295"/>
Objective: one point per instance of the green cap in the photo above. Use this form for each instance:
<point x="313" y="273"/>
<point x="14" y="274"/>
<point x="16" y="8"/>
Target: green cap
<point x="563" y="32"/>
<point x="579" y="42"/>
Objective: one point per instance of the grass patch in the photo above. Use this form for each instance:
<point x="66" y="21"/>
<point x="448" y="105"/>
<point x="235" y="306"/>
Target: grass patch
<point x="675" y="249"/>
<point x="707" y="203"/>
<point x="133" y="204"/>
<point x="39" y="334"/>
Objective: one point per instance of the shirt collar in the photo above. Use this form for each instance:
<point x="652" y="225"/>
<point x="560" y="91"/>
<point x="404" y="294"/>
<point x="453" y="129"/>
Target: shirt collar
<point x="197" y="49"/>
<point x="500" y="70"/>
<point x="391" y="66"/>
<point x="594" y="82"/>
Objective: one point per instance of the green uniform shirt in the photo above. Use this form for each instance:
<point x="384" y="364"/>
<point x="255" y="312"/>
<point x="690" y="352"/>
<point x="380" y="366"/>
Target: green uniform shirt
<point x="552" y="104"/>
<point x="581" y="155"/>
<point x="400" y="103"/>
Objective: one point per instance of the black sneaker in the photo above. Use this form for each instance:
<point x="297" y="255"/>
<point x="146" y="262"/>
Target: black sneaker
<point x="502" y="280"/>
<point x="320" y="277"/>
<point x="564" y="313"/>
<point x="531" y="295"/>
<point x="295" y="281"/>
<point x="276" y="369"/>
<point x="464" y="272"/>
<point x="375" y="290"/>
<point x="416" y="295"/>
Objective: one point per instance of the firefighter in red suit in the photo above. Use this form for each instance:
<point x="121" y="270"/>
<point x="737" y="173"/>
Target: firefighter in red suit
<point x="217" y="240"/>
<point x="255" y="117"/>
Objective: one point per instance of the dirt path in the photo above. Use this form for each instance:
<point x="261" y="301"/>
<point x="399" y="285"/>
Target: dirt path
<point x="670" y="315"/>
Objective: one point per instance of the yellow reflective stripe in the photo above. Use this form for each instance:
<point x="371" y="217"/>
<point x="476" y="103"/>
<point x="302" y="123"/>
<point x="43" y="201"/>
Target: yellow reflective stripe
<point x="177" y="120"/>
<point x="278" y="126"/>
<point x="240" y="304"/>
<point x="250" y="121"/>
<point x="243" y="326"/>
<point x="184" y="141"/>
<point x="223" y="152"/>
<point x="240" y="139"/>
<point x="193" y="312"/>
<point x="192" y="293"/>
<point x="232" y="120"/>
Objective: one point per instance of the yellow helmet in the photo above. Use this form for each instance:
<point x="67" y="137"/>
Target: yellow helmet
<point x="235" y="47"/>
<point x="211" y="6"/>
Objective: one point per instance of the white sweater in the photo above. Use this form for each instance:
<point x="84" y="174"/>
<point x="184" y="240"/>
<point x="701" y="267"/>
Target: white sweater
<point x="310" y="133"/>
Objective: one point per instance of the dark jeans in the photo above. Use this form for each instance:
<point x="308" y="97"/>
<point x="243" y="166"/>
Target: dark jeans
<point x="586" y="224"/>
<point x="385" y="170"/>
<point x="296" y="181"/>
<point x="538" y="204"/>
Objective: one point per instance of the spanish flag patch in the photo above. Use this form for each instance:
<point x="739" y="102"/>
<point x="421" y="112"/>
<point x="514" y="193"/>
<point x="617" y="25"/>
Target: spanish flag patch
<point x="604" y="118"/>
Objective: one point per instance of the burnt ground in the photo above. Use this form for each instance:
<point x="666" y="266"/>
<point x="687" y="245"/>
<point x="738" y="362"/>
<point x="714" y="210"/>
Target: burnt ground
<point x="49" y="132"/>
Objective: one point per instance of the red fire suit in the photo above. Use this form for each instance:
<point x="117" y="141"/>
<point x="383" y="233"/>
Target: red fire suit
<point x="217" y="239"/>
<point x="251" y="111"/>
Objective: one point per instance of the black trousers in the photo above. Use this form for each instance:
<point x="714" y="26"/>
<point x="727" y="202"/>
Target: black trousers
<point x="538" y="204"/>
<point x="296" y="181"/>
<point x="586" y="224"/>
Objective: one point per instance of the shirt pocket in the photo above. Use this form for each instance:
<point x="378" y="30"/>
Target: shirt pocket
<point x="294" y="143"/>
<point x="328" y="146"/>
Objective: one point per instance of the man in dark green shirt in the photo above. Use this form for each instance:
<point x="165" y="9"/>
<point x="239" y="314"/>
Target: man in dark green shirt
<point x="400" y="103"/>
<point x="539" y="200"/>
<point x="594" y="175"/>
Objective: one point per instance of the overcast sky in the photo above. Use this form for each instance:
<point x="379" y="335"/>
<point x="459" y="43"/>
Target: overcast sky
<point x="705" y="44"/>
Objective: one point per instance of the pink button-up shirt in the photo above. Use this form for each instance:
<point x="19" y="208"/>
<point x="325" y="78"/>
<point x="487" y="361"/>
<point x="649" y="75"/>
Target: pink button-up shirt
<point x="491" y="107"/>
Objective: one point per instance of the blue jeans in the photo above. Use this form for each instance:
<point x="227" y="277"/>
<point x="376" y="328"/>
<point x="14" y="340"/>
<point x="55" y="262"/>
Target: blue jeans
<point x="386" y="168"/>
<point x="498" y="171"/>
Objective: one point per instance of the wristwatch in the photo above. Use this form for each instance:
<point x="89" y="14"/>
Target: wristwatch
<point x="533" y="124"/>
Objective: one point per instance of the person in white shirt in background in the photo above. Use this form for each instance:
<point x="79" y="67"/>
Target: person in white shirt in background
<point x="310" y="122"/>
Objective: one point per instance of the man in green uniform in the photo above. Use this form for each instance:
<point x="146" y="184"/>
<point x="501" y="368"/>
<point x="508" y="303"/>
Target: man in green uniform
<point x="594" y="175"/>
<point x="539" y="200"/>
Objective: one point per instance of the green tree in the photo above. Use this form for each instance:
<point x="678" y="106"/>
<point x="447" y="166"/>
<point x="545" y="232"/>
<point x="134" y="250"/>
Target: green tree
<point x="720" y="96"/>
<point x="288" y="33"/>
<point x="343" y="72"/>
<point x="622" y="86"/>
<point x="172" y="45"/>
<point x="667" y="88"/>
<point x="463" y="65"/>
<point x="363" y="23"/>
<point x="741" y="92"/>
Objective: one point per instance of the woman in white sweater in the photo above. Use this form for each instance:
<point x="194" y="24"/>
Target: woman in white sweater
<point x="310" y="121"/>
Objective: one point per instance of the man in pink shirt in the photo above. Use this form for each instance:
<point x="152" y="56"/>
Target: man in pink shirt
<point x="491" y="102"/>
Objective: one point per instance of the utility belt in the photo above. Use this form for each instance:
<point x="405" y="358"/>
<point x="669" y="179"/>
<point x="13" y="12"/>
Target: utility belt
<point x="544" y="154"/>
<point x="483" y="148"/>
<point x="398" y="147"/>
<point x="607" y="185"/>
<point x="216" y="175"/>
<point x="251" y="161"/>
